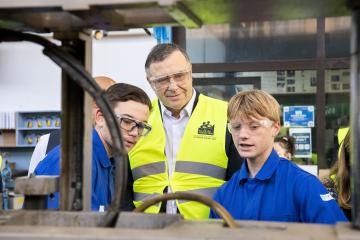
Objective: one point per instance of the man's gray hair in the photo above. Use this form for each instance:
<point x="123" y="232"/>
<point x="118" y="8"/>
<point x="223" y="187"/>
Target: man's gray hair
<point x="160" y="52"/>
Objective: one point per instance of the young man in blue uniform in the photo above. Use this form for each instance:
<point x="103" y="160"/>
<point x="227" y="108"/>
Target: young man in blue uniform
<point x="268" y="187"/>
<point x="49" y="141"/>
<point x="131" y="106"/>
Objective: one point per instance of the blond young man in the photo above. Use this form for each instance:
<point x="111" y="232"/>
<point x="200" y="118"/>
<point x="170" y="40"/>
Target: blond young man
<point x="268" y="187"/>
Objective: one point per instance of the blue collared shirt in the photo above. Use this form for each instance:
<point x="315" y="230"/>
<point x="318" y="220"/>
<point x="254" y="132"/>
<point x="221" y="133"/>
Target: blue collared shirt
<point x="280" y="191"/>
<point x="102" y="174"/>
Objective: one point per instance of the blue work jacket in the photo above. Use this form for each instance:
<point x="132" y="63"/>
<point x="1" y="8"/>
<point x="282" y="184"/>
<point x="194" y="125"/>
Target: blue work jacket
<point x="280" y="191"/>
<point x="102" y="174"/>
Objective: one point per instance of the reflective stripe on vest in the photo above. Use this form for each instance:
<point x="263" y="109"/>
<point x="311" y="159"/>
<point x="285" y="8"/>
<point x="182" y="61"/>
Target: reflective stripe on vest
<point x="144" y="196"/>
<point x="201" y="169"/>
<point x="201" y="161"/>
<point x="148" y="169"/>
<point x="209" y="192"/>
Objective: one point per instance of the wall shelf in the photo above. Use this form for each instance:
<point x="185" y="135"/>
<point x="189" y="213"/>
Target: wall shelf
<point x="17" y="145"/>
<point x="31" y="125"/>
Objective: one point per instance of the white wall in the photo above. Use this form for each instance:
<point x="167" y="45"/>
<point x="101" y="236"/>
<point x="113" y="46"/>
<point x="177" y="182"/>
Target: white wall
<point x="30" y="81"/>
<point x="122" y="57"/>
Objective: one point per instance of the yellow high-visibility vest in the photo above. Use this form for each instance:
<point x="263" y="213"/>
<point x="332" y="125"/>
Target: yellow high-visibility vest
<point x="201" y="161"/>
<point x="342" y="134"/>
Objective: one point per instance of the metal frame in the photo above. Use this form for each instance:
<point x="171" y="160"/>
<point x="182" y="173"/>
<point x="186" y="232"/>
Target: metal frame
<point x="256" y="81"/>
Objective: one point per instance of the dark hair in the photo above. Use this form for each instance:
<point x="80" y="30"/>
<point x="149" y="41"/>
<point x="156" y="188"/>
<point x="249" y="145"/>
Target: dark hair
<point x="288" y="143"/>
<point x="122" y="92"/>
<point x="161" y="52"/>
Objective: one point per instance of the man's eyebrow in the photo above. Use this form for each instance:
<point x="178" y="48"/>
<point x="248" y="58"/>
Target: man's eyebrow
<point x="127" y="115"/>
<point x="130" y="116"/>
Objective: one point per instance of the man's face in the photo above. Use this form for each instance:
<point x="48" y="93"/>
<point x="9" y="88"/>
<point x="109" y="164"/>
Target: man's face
<point x="172" y="81"/>
<point x="254" y="138"/>
<point x="132" y="118"/>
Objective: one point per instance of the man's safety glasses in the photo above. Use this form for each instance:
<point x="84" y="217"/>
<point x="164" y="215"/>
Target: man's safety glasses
<point x="252" y="127"/>
<point x="129" y="124"/>
<point x="163" y="82"/>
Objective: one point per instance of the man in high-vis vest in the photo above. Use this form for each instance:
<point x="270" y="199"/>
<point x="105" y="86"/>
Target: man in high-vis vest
<point x="189" y="148"/>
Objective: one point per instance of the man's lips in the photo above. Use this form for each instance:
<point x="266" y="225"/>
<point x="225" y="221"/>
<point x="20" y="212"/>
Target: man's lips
<point x="128" y="143"/>
<point x="245" y="146"/>
<point x="174" y="96"/>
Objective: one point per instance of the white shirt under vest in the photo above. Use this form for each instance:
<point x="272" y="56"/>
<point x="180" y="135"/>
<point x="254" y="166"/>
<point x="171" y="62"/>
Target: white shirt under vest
<point x="174" y="130"/>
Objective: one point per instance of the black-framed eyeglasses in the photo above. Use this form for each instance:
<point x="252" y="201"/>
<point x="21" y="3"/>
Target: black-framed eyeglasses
<point x="164" y="81"/>
<point x="129" y="124"/>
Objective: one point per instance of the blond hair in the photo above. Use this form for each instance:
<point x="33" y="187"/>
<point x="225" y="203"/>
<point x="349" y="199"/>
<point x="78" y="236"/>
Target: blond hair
<point x="341" y="170"/>
<point x="254" y="104"/>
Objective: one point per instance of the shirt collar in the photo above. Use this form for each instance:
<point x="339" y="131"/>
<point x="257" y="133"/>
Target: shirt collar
<point x="186" y="110"/>
<point x="99" y="147"/>
<point x="266" y="171"/>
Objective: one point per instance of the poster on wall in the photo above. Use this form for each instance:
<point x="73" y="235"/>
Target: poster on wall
<point x="302" y="138"/>
<point x="298" y="116"/>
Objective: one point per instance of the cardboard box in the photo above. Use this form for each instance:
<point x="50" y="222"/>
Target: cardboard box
<point x="7" y="138"/>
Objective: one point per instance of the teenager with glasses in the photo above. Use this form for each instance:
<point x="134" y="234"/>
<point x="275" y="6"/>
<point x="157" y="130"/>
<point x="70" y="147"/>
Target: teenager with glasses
<point x="189" y="148"/>
<point x="132" y="106"/>
<point x="48" y="141"/>
<point x="268" y="187"/>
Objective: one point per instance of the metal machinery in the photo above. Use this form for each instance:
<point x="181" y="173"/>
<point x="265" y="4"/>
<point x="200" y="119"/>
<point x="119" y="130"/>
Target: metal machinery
<point x="68" y="20"/>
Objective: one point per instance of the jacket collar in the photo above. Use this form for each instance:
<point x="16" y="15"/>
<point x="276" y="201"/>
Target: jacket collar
<point x="266" y="171"/>
<point x="98" y="146"/>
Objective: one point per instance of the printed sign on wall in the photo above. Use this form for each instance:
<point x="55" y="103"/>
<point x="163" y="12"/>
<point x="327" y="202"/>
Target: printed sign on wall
<point x="299" y="116"/>
<point x="302" y="138"/>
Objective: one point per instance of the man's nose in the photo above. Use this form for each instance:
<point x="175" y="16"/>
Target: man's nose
<point x="172" y="84"/>
<point x="243" y="132"/>
<point x="134" y="131"/>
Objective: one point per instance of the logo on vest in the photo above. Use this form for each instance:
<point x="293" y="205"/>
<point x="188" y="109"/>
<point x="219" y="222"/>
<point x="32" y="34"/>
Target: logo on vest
<point x="206" y="128"/>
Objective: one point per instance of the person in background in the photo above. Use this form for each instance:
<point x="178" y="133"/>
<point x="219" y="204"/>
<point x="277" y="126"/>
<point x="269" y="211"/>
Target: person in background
<point x="48" y="141"/>
<point x="131" y="106"/>
<point x="189" y="148"/>
<point x="268" y="187"/>
<point x="338" y="182"/>
<point x="285" y="147"/>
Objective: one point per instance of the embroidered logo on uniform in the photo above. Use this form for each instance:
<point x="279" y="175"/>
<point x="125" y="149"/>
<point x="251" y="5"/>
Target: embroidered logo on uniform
<point x="326" y="197"/>
<point x="206" y="128"/>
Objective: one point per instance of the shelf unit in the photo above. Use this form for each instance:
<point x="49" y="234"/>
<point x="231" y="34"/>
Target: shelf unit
<point x="31" y="125"/>
<point x="17" y="145"/>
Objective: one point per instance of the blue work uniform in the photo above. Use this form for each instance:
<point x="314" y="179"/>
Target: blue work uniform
<point x="280" y="191"/>
<point x="102" y="175"/>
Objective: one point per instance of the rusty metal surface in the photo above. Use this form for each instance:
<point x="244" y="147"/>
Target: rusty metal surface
<point x="38" y="185"/>
<point x="72" y="134"/>
<point x="146" y="221"/>
<point x="71" y="225"/>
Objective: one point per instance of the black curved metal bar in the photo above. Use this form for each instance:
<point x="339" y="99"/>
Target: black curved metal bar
<point x="78" y="74"/>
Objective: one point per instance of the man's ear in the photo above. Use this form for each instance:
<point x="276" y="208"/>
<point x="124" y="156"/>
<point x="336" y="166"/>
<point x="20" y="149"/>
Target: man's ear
<point x="99" y="118"/>
<point x="148" y="79"/>
<point x="276" y="129"/>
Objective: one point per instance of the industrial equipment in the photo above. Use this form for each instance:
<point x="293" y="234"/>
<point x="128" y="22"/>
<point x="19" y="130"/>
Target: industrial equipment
<point x="68" y="20"/>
